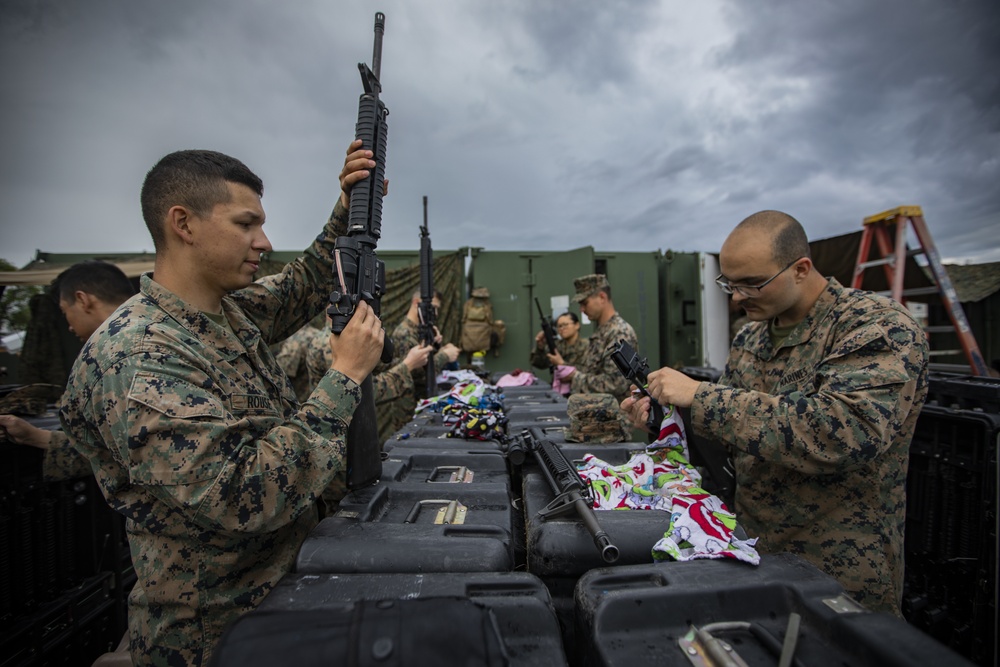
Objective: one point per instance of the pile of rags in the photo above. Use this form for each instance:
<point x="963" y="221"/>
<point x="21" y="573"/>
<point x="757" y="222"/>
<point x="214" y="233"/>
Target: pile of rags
<point x="662" y="478"/>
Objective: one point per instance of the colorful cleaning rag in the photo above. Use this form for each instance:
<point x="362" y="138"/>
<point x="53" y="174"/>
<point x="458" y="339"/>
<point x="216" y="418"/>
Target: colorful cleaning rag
<point x="662" y="478"/>
<point x="473" y="393"/>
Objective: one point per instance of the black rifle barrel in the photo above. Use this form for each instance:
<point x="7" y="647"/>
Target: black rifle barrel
<point x="426" y="312"/>
<point x="377" y="48"/>
<point x="547" y="331"/>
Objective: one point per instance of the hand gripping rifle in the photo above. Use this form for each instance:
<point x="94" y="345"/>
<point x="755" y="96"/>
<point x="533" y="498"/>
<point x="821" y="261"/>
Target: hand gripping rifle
<point x="636" y="369"/>
<point x="425" y="310"/>
<point x="570" y="490"/>
<point x="360" y="274"/>
<point x="548" y="331"/>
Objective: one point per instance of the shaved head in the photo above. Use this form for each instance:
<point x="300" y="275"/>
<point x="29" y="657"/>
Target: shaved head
<point x="788" y="239"/>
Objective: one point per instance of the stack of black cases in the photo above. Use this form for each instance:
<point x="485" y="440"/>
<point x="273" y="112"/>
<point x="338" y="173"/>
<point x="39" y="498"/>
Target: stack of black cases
<point x="454" y="518"/>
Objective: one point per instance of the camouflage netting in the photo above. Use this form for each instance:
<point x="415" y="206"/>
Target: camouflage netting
<point x="402" y="283"/>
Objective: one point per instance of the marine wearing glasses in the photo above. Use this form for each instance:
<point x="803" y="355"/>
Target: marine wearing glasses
<point x="748" y="291"/>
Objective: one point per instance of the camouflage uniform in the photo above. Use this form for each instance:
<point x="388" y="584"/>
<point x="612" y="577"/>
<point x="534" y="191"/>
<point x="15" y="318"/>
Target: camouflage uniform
<point x="195" y="435"/>
<point x="596" y="418"/>
<point x="292" y="359"/>
<point x="62" y="461"/>
<point x="571" y="354"/>
<point x="597" y="373"/>
<point x="393" y="385"/>
<point x="820" y="431"/>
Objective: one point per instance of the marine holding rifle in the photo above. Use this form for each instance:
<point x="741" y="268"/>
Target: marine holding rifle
<point x="571" y="346"/>
<point x="596" y="373"/>
<point x="817" y="405"/>
<point x="192" y="429"/>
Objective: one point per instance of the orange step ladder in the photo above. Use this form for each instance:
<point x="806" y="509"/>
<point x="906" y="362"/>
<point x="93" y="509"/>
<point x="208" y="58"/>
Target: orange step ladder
<point x="888" y="229"/>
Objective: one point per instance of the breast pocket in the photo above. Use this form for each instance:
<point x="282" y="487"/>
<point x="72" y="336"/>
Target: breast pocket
<point x="175" y="431"/>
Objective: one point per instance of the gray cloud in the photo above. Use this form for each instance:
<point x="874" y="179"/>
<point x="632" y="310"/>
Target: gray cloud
<point x="530" y="125"/>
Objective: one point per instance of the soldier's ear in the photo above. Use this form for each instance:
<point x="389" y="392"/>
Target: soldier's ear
<point x="84" y="299"/>
<point x="178" y="224"/>
<point x="802" y="269"/>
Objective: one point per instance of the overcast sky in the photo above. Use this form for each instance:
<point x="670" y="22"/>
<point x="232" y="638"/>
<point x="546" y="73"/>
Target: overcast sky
<point x="628" y="125"/>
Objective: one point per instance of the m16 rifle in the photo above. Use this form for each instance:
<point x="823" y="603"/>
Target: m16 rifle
<point x="360" y="273"/>
<point x="548" y="331"/>
<point x="426" y="312"/>
<point x="636" y="369"/>
<point x="570" y="490"/>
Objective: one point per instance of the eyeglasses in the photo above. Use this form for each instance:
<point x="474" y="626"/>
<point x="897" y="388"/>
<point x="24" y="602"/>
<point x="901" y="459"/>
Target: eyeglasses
<point x="749" y="291"/>
<point x="563" y="325"/>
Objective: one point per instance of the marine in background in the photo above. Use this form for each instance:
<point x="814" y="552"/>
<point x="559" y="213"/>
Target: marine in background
<point x="597" y="373"/>
<point x="87" y="293"/>
<point x="571" y="346"/>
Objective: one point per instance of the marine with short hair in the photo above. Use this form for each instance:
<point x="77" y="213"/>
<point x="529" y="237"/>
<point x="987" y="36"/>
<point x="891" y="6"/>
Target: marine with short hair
<point x="817" y="405"/>
<point x="597" y="373"/>
<point x="192" y="429"/>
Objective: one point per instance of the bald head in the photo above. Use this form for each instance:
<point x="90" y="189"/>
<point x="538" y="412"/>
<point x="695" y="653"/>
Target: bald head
<point x="787" y="238"/>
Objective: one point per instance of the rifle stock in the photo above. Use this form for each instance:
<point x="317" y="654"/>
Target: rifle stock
<point x="360" y="273"/>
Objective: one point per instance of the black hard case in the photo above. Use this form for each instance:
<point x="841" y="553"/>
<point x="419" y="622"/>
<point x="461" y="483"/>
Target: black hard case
<point x="951" y="540"/>
<point x="389" y="528"/>
<point x="519" y="601"/>
<point x="635" y="615"/>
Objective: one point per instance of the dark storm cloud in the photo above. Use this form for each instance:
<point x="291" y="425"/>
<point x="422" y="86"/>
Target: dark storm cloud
<point x="903" y="98"/>
<point x="530" y="125"/>
<point x="589" y="43"/>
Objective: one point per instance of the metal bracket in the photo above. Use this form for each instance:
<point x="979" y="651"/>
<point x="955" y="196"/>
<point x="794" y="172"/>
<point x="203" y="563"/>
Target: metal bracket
<point x="451" y="512"/>
<point x="459" y="475"/>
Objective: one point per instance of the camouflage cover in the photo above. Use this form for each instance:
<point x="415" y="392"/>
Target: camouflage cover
<point x="30" y="400"/>
<point x="589" y="285"/>
<point x="819" y="431"/>
<point x="596" y="418"/>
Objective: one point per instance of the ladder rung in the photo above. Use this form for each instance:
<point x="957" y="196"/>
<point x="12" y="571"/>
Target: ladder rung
<point x="944" y="328"/>
<point x="875" y="262"/>
<point x="942" y="353"/>
<point x="888" y="259"/>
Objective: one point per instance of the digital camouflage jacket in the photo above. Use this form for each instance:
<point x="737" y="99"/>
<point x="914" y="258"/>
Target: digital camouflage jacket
<point x="819" y="431"/>
<point x="571" y="354"/>
<point x="597" y="373"/>
<point x="195" y="435"/>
